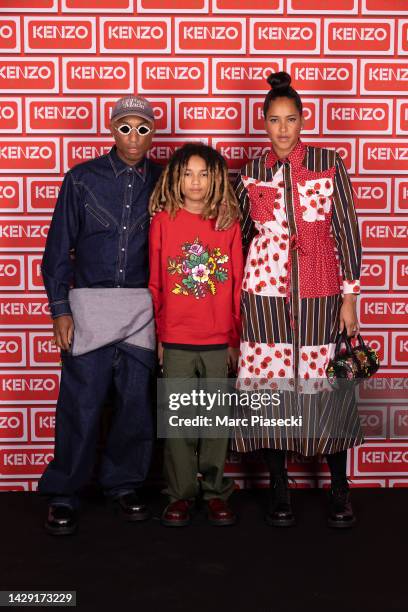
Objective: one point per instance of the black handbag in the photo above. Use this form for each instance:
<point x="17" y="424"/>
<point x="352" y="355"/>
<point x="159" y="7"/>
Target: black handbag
<point x="350" y="363"/>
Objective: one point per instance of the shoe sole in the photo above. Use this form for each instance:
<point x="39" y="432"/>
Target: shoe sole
<point x="276" y="523"/>
<point x="175" y="523"/>
<point x="222" y="523"/>
<point x="135" y="519"/>
<point x="336" y="525"/>
<point x="60" y="531"/>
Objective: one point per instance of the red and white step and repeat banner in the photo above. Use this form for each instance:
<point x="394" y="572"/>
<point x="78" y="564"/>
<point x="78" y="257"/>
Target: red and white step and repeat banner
<point x="203" y="64"/>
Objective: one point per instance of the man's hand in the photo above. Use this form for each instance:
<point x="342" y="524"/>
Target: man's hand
<point x="224" y="219"/>
<point x="160" y="353"/>
<point x="233" y="354"/>
<point x="63" y="331"/>
<point x="348" y="315"/>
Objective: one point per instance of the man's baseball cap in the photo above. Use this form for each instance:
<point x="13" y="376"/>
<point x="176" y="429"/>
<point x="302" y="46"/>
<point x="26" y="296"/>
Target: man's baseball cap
<point x="132" y="105"/>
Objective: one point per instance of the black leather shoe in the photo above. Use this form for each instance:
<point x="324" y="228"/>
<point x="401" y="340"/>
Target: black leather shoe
<point x="61" y="520"/>
<point x="341" y="515"/>
<point x="132" y="507"/>
<point x="279" y="513"/>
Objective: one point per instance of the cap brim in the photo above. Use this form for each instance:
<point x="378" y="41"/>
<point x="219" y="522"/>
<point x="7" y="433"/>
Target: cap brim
<point x="132" y="113"/>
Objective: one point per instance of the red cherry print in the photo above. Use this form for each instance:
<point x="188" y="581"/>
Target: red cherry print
<point x="285" y="265"/>
<point x="257" y="272"/>
<point x="262" y="284"/>
<point x="258" y="288"/>
<point x="258" y="351"/>
<point x="276" y="256"/>
<point x="282" y="279"/>
<point x="313" y="365"/>
<point x="253" y="262"/>
<point x="313" y="203"/>
<point x="266" y="258"/>
<point x="242" y="363"/>
<point x="248" y="275"/>
<point x="322" y="200"/>
<point x="307" y="376"/>
<point x="320" y="370"/>
<point x="276" y="205"/>
<point x="250" y="358"/>
<point x="278" y="354"/>
<point x="320" y="211"/>
<point x="260" y="261"/>
<point x="284" y="224"/>
<point x="257" y="371"/>
<point x="281" y="184"/>
<point x="304" y="357"/>
<point x="355" y="289"/>
<point x="247" y="382"/>
<point x="314" y="355"/>
<point x="252" y="345"/>
<point x="327" y="184"/>
<point x="287" y="351"/>
<point x="264" y="365"/>
<point x="272" y="280"/>
<point x="323" y="350"/>
<point x="256" y="385"/>
<point x="271" y="344"/>
<point x="264" y="244"/>
<point x="275" y="239"/>
<point x="270" y="374"/>
<point x="282" y="246"/>
<point x="268" y="269"/>
<point x="310" y="192"/>
<point x="281" y="373"/>
<point x="282" y="290"/>
<point x="278" y="195"/>
<point x="264" y="381"/>
<point x="251" y="369"/>
<point x="287" y="362"/>
<point x="317" y="186"/>
<point x="268" y="359"/>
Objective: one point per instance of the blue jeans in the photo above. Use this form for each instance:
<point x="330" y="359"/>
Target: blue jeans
<point x="85" y="383"/>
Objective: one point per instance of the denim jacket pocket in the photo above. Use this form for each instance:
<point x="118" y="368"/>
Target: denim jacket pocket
<point x="141" y="223"/>
<point x="97" y="215"/>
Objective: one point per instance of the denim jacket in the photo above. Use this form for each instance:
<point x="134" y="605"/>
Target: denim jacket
<point x="98" y="235"/>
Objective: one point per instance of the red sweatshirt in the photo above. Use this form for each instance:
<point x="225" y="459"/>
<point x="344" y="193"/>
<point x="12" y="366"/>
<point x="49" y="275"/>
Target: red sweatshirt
<point x="195" y="279"/>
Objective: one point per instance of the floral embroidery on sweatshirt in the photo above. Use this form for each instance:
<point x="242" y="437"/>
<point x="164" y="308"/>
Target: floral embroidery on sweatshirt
<point x="201" y="268"/>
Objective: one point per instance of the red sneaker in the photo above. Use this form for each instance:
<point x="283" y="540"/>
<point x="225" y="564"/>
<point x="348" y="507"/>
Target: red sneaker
<point x="177" y="513"/>
<point x="219" y="513"/>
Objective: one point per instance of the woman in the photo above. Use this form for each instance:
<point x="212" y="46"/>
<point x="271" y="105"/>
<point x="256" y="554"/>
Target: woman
<point x="297" y="208"/>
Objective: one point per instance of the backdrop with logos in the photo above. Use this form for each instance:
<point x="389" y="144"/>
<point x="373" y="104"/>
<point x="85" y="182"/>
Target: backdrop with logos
<point x="203" y="64"/>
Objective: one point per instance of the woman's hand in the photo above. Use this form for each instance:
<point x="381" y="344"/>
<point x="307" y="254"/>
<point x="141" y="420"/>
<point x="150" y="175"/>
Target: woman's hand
<point x="233" y="354"/>
<point x="160" y="353"/>
<point x="348" y="315"/>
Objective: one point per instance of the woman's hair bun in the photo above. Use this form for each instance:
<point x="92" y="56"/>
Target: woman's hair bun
<point x="279" y="80"/>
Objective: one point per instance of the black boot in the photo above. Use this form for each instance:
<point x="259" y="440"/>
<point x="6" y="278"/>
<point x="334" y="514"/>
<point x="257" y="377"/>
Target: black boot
<point x="279" y="513"/>
<point x="341" y="513"/>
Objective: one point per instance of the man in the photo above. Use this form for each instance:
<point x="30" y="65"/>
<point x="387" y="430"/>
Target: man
<point x="97" y="243"/>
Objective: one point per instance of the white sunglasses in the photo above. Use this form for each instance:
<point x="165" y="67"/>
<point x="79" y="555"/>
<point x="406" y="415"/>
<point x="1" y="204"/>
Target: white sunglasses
<point x="125" y="129"/>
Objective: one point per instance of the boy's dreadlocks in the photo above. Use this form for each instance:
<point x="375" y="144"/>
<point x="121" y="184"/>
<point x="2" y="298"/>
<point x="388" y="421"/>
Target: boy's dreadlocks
<point x="168" y="194"/>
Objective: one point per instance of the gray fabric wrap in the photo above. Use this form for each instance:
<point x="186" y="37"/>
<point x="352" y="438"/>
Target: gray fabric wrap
<point x="108" y="316"/>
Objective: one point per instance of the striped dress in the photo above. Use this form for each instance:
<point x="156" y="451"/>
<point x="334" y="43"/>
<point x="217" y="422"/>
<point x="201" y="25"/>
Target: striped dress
<point x="298" y="216"/>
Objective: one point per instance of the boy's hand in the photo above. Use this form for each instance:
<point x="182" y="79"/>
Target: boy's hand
<point x="63" y="328"/>
<point x="160" y="353"/>
<point x="233" y="354"/>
